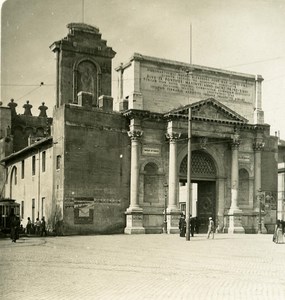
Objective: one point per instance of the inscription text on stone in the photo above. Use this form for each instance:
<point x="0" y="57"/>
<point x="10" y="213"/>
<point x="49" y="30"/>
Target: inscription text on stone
<point x="198" y="85"/>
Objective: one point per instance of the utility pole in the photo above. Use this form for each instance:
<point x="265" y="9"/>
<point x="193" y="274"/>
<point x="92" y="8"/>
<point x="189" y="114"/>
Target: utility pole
<point x="259" y="197"/>
<point x="189" y="186"/>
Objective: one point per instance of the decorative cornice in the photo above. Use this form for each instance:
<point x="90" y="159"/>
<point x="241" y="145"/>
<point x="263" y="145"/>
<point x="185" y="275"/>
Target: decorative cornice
<point x="141" y="114"/>
<point x="175" y="115"/>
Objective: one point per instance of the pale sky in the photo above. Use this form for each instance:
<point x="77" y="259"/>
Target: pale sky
<point x="246" y="36"/>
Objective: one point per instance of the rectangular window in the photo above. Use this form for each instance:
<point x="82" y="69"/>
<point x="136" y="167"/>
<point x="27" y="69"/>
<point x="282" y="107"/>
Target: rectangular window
<point x="34" y="165"/>
<point x="44" y="161"/>
<point x="43" y="206"/>
<point x="22" y="209"/>
<point x="15" y="173"/>
<point x="58" y="161"/>
<point x="33" y="210"/>
<point x="23" y="169"/>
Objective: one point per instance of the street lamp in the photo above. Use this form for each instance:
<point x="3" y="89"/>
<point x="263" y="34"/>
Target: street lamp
<point x="165" y="206"/>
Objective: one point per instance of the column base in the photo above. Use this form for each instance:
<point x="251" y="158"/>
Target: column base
<point x="235" y="223"/>
<point x="173" y="215"/>
<point x="134" y="220"/>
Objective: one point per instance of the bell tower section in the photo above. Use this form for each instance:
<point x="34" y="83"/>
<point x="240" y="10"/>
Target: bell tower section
<point x="83" y="65"/>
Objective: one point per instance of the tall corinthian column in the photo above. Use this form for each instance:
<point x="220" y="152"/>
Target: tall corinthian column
<point x="235" y="175"/>
<point x="172" y="209"/>
<point x="235" y="214"/>
<point x="135" y="136"/>
<point x="173" y="176"/>
<point x="258" y="147"/>
<point x="134" y="213"/>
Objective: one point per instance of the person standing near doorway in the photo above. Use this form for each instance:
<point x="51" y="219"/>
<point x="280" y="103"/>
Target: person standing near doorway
<point x="29" y="226"/>
<point x="192" y="226"/>
<point x="182" y="225"/>
<point x="211" y="228"/>
<point x="38" y="226"/>
<point x="43" y="227"/>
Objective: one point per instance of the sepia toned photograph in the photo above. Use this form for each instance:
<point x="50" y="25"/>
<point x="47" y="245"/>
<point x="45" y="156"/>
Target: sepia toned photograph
<point x="142" y="150"/>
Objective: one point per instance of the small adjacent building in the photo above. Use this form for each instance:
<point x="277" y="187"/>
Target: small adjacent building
<point x="104" y="165"/>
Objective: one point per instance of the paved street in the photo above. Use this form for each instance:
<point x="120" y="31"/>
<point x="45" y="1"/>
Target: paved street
<point x="142" y="267"/>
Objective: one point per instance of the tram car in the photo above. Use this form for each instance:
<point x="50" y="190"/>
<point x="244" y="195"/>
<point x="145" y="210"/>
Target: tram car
<point x="7" y="208"/>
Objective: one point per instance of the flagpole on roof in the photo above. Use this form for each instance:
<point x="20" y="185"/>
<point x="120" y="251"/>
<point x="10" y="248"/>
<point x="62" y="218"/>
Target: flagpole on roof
<point x="190" y="43"/>
<point x="82" y="11"/>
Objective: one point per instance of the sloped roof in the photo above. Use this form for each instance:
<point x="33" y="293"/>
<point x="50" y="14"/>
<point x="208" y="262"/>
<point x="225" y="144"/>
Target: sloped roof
<point x="208" y="110"/>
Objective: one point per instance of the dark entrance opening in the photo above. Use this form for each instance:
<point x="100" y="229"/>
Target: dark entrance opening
<point x="206" y="203"/>
<point x="203" y="201"/>
<point x="203" y="173"/>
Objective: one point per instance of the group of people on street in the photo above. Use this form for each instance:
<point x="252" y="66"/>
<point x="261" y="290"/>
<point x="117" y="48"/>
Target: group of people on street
<point x="279" y="232"/>
<point x="38" y="228"/>
<point x="194" y="225"/>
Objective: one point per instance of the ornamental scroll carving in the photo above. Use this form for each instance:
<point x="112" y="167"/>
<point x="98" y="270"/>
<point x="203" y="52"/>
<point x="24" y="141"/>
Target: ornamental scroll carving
<point x="173" y="136"/>
<point x="135" y="134"/>
<point x="258" y="145"/>
<point x="235" y="141"/>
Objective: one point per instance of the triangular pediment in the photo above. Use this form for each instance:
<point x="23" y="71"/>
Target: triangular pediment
<point x="209" y="110"/>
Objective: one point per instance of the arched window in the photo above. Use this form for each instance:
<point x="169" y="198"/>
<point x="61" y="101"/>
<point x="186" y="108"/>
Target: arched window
<point x="13" y="180"/>
<point x="202" y="165"/>
<point x="151" y="183"/>
<point x="243" y="195"/>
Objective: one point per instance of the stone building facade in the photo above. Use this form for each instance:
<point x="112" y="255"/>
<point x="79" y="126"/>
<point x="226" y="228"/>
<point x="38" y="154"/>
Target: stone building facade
<point x="121" y="167"/>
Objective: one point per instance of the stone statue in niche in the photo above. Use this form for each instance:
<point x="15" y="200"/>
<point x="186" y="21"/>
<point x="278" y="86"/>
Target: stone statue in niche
<point x="87" y="78"/>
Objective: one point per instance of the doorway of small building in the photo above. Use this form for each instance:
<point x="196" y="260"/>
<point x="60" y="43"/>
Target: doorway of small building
<point x="203" y="203"/>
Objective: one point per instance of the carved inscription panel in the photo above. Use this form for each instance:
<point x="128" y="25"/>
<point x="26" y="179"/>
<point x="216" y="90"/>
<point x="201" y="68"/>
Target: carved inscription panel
<point x="198" y="85"/>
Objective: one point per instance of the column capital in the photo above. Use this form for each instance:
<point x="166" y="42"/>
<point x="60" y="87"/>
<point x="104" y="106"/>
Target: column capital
<point x="259" y="78"/>
<point x="173" y="136"/>
<point x="258" y="145"/>
<point x="135" y="134"/>
<point x="235" y="141"/>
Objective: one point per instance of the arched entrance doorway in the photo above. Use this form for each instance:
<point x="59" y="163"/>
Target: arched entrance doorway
<point x="203" y="175"/>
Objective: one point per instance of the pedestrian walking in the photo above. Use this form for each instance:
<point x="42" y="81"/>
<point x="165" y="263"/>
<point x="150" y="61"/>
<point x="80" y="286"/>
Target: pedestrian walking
<point x="182" y="225"/>
<point x="14" y="224"/>
<point x="43" y="227"/>
<point x="38" y="226"/>
<point x="192" y="226"/>
<point x="29" y="226"/>
<point x="283" y="226"/>
<point x="278" y="234"/>
<point x="197" y="225"/>
<point x="211" y="228"/>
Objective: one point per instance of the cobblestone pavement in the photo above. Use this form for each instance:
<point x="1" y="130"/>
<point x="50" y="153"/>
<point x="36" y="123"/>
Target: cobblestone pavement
<point x="142" y="267"/>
